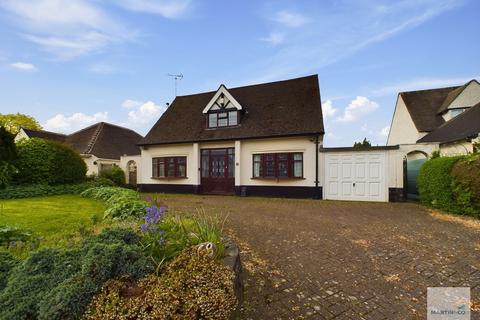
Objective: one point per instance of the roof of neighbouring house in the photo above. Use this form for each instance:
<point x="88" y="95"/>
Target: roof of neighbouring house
<point x="452" y="95"/>
<point x="423" y="106"/>
<point x="105" y="140"/>
<point x="465" y="125"/>
<point x="427" y="106"/>
<point x="276" y="109"/>
<point x="44" y="134"/>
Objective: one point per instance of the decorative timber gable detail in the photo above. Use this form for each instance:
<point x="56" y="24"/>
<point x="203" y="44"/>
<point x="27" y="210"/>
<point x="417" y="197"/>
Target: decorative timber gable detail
<point x="222" y="100"/>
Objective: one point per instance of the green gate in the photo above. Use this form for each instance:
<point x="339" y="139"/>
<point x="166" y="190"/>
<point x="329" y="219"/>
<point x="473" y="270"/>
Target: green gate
<point x="411" y="170"/>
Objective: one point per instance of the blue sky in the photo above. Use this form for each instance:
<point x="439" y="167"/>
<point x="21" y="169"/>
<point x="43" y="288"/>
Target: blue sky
<point x="70" y="63"/>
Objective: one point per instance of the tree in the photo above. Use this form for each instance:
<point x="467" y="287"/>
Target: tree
<point x="13" y="122"/>
<point x="365" y="144"/>
<point x="8" y="153"/>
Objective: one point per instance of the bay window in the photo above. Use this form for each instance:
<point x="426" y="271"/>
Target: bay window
<point x="278" y="165"/>
<point x="169" y="167"/>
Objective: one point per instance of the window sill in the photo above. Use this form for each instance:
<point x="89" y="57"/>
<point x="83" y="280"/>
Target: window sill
<point x="168" y="178"/>
<point x="277" y="178"/>
<point x="224" y="127"/>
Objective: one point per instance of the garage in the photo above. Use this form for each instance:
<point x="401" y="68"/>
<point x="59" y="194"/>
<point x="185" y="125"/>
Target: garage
<point x="355" y="175"/>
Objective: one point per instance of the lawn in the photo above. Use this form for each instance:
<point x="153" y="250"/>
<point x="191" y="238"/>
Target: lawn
<point x="57" y="219"/>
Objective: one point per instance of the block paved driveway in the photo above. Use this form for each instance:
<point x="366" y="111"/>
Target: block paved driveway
<point x="308" y="259"/>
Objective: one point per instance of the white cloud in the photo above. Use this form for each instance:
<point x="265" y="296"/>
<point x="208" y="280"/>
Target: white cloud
<point x="385" y="131"/>
<point x="290" y="19"/>
<point x="274" y="38"/>
<point x="66" y="28"/>
<point x="359" y="107"/>
<point x="165" y="8"/>
<point x="143" y="112"/>
<point x="23" y="66"/>
<point x="328" y="109"/>
<point x="77" y="121"/>
<point x="129" y="104"/>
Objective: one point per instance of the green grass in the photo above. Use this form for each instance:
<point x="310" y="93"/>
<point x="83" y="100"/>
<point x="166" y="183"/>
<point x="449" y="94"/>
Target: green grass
<point x="57" y="219"/>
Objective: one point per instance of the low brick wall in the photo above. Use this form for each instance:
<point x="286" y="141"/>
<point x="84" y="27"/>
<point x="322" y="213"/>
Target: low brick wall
<point x="232" y="260"/>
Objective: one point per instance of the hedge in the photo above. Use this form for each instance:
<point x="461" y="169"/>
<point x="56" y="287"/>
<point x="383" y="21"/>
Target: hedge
<point x="451" y="184"/>
<point x="466" y="176"/>
<point x="48" y="162"/>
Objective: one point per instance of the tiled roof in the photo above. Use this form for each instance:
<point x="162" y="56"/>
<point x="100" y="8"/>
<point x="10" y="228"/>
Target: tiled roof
<point x="465" y="125"/>
<point x="276" y="109"/>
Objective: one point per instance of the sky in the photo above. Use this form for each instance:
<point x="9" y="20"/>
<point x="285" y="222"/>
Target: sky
<point x="72" y="63"/>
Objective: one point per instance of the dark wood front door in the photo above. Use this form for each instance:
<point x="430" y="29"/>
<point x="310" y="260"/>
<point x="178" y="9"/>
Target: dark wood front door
<point x="218" y="171"/>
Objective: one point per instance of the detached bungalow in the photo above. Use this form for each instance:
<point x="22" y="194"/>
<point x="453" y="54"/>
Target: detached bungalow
<point x="100" y="145"/>
<point x="253" y="140"/>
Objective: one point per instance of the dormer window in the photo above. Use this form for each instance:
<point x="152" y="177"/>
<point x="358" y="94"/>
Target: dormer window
<point x="222" y="110"/>
<point x="222" y="119"/>
<point x="453" y="112"/>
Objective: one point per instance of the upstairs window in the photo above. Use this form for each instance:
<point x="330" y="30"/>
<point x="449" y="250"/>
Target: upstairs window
<point x="169" y="167"/>
<point x="456" y="112"/>
<point x="278" y="165"/>
<point x="222" y="119"/>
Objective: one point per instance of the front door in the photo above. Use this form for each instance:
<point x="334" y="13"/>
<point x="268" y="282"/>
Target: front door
<point x="218" y="171"/>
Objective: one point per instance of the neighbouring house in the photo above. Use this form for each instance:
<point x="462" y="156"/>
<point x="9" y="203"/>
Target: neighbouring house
<point x="264" y="140"/>
<point x="100" y="145"/>
<point x="445" y="120"/>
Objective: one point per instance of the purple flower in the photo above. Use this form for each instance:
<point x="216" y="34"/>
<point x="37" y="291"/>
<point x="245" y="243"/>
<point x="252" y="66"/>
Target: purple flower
<point x="144" y="227"/>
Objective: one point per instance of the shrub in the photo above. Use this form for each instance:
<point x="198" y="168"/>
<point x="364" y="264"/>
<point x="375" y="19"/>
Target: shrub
<point x="7" y="171"/>
<point x="100" y="181"/>
<point x="59" y="284"/>
<point x="165" y="236"/>
<point x="40" y="190"/>
<point x="10" y="234"/>
<point x="47" y="162"/>
<point x="7" y="263"/>
<point x="435" y="183"/>
<point x="193" y="286"/>
<point x="121" y="203"/>
<point x="115" y="174"/>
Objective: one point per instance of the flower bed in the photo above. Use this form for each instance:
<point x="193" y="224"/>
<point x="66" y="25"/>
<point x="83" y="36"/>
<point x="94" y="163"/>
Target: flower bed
<point x="169" y="267"/>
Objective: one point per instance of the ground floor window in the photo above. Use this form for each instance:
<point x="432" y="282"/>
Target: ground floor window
<point x="169" y="167"/>
<point x="278" y="165"/>
<point x="105" y="166"/>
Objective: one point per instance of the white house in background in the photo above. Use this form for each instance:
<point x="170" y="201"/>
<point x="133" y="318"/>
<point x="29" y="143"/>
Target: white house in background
<point x="444" y="119"/>
<point x="100" y="145"/>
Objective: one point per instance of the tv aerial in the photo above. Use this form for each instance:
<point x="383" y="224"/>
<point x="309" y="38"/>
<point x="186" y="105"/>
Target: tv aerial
<point x="176" y="77"/>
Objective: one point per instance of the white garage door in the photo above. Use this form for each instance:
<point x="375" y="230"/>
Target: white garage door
<point x="354" y="175"/>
